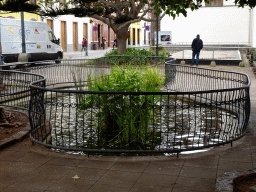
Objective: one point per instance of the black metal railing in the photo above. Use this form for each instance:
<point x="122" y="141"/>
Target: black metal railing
<point x="197" y="108"/>
<point x="15" y="88"/>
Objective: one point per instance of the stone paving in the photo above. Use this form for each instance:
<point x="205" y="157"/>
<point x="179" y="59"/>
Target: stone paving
<point x="31" y="168"/>
<point x="206" y="54"/>
<point x="81" y="55"/>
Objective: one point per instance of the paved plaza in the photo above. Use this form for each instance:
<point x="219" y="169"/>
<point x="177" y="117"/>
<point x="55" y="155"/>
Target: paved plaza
<point x="92" y="54"/>
<point x="187" y="54"/>
<point x="209" y="54"/>
<point x="32" y="168"/>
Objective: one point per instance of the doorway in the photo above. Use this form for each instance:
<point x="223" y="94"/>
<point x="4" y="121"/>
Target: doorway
<point x="85" y="31"/>
<point x="138" y="36"/>
<point x="133" y="36"/>
<point x="50" y="23"/>
<point x="75" y="36"/>
<point x="99" y="36"/>
<point x="63" y="36"/>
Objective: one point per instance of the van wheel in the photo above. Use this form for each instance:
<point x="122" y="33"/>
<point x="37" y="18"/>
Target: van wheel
<point x="58" y="60"/>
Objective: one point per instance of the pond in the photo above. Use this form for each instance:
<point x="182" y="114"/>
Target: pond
<point x="179" y="123"/>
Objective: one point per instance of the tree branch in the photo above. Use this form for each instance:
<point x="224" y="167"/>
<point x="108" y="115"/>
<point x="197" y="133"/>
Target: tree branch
<point x="145" y="12"/>
<point x="149" y="20"/>
<point x="108" y="4"/>
<point x="103" y="19"/>
<point x="162" y="16"/>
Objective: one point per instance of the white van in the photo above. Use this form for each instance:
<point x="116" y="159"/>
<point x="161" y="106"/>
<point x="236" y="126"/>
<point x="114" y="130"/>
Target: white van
<point x="40" y="41"/>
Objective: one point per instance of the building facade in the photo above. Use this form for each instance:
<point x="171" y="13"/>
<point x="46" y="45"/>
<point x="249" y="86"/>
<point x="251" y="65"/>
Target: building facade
<point x="27" y="16"/>
<point x="101" y="32"/>
<point x="70" y="30"/>
<point x="220" y="22"/>
<point x="135" y="38"/>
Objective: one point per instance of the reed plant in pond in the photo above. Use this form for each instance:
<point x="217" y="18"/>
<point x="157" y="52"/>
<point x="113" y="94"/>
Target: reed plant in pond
<point x="124" y="119"/>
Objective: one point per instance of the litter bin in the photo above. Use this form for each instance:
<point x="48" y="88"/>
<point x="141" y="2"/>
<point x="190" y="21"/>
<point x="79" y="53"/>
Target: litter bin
<point x="94" y="46"/>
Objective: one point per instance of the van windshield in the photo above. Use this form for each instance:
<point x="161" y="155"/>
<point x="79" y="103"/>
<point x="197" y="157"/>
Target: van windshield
<point x="52" y="37"/>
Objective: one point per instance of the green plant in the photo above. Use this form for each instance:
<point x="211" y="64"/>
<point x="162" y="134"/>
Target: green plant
<point x="124" y="119"/>
<point x="134" y="56"/>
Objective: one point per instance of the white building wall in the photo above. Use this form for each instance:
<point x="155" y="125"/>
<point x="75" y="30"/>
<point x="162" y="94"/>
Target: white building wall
<point x="56" y="28"/>
<point x="69" y="29"/>
<point x="254" y="27"/>
<point x="214" y="24"/>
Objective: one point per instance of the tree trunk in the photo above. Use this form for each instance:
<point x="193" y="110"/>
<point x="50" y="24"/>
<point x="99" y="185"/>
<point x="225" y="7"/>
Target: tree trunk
<point x="153" y="26"/>
<point x="122" y="36"/>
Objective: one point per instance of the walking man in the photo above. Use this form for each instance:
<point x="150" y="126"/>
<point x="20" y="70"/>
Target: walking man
<point x="196" y="46"/>
<point x="115" y="44"/>
<point x="103" y="42"/>
<point x="85" y="43"/>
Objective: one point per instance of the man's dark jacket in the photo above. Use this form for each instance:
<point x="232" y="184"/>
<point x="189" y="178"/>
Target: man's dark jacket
<point x="197" y="45"/>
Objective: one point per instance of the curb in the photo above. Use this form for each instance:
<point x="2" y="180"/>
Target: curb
<point x="225" y="182"/>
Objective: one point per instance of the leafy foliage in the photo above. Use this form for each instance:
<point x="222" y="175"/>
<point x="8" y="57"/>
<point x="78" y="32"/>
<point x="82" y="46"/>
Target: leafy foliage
<point x="122" y="19"/>
<point x="118" y="15"/>
<point x="134" y="56"/>
<point x="124" y="119"/>
<point x="18" y="6"/>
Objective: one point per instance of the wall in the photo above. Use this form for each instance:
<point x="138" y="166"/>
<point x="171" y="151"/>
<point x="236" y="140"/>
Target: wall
<point x="254" y="27"/>
<point x="103" y="31"/>
<point x="137" y="26"/>
<point x="69" y="19"/>
<point x="27" y="16"/>
<point x="214" y="24"/>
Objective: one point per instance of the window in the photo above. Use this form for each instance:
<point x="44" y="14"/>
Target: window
<point x="52" y="37"/>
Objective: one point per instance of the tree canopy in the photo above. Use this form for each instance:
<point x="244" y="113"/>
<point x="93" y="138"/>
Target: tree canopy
<point x="117" y="14"/>
<point x="18" y="6"/>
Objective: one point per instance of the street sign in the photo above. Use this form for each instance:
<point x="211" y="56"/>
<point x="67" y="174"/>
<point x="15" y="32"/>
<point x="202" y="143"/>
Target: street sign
<point x="95" y="28"/>
<point x="147" y="28"/>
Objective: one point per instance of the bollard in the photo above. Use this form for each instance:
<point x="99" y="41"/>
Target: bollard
<point x="213" y="64"/>
<point x="182" y="62"/>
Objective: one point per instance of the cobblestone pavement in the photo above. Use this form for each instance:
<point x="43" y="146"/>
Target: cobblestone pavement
<point x="81" y="55"/>
<point x="206" y="54"/>
<point x="31" y="168"/>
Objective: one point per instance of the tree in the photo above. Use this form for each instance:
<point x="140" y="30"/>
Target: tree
<point x="117" y="14"/>
<point x="18" y="6"/>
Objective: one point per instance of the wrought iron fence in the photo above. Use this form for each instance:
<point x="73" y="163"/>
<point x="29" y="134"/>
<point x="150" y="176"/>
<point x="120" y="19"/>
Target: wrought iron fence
<point x="15" y="88"/>
<point x="197" y="108"/>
